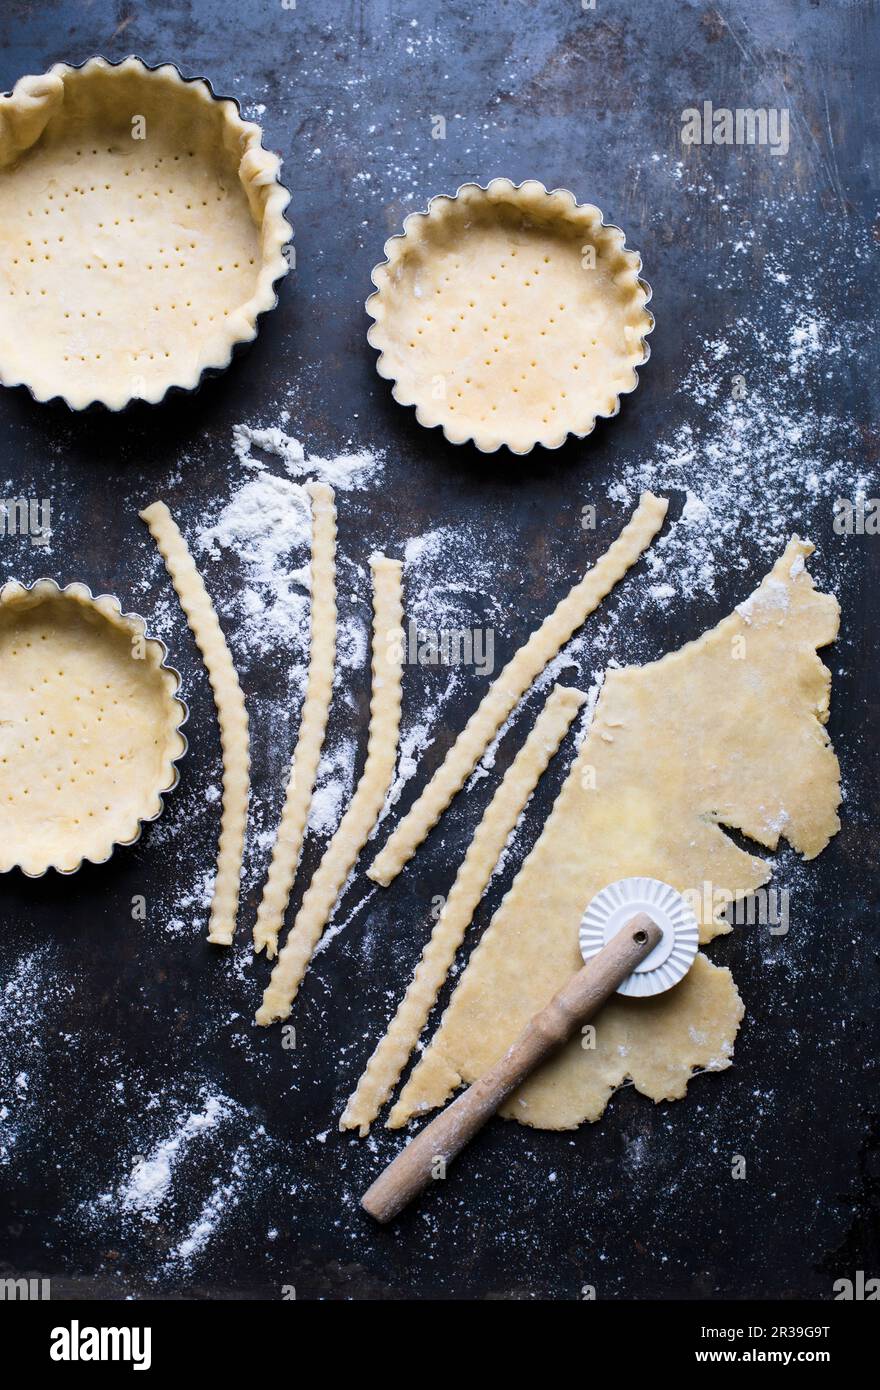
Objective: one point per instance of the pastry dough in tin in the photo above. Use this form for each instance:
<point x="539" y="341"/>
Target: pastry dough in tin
<point x="89" y="727"/>
<point x="141" y="232"/>
<point x="510" y="315"/>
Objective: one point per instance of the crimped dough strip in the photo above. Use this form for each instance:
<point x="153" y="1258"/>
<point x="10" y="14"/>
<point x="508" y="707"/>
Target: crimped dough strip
<point x="355" y="826"/>
<point x="514" y="681"/>
<point x="501" y="815"/>
<point x="231" y="714"/>
<point x="313" y="723"/>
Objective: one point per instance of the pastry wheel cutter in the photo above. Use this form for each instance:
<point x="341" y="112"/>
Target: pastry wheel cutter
<point x="638" y="937"/>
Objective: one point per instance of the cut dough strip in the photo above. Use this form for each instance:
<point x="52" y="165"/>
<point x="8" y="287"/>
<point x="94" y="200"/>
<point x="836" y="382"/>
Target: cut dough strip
<point x="231" y="714"/>
<point x="502" y="813"/>
<point x="313" y="723"/>
<point x="361" y="816"/>
<point x="513" y="682"/>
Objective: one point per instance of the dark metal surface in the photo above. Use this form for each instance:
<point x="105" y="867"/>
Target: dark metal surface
<point x="643" y="1204"/>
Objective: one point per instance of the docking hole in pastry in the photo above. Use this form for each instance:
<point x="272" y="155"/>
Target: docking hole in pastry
<point x="510" y="315"/>
<point x="141" y="232"/>
<point x="89" y="727"/>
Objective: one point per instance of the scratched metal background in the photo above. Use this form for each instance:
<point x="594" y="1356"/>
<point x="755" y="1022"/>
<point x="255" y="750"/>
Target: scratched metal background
<point x="541" y="89"/>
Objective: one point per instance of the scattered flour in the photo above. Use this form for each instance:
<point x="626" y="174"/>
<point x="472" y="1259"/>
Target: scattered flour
<point x="413" y="743"/>
<point x="267" y="526"/>
<point x="346" y="471"/>
<point x="29" y="1003"/>
<point x="161" y="1188"/>
<point x="333" y="787"/>
<point x="761" y="450"/>
<point x="148" y="1186"/>
<point x="226" y="1194"/>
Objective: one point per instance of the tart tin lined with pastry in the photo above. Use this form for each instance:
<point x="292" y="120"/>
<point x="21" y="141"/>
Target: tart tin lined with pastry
<point x="510" y="316"/>
<point x="141" y="232"/>
<point x="90" y="726"/>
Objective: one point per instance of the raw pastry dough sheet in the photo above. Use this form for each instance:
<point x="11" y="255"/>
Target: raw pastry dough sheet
<point x="313" y="724"/>
<point x="726" y="731"/>
<point x="500" y="818"/>
<point x="360" y="818"/>
<point x="513" y="682"/>
<point x="231" y="715"/>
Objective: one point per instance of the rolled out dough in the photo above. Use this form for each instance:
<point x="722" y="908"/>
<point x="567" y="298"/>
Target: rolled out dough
<point x="726" y="731"/>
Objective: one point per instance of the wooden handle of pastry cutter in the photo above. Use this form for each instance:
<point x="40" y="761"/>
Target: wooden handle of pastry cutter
<point x="413" y="1169"/>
